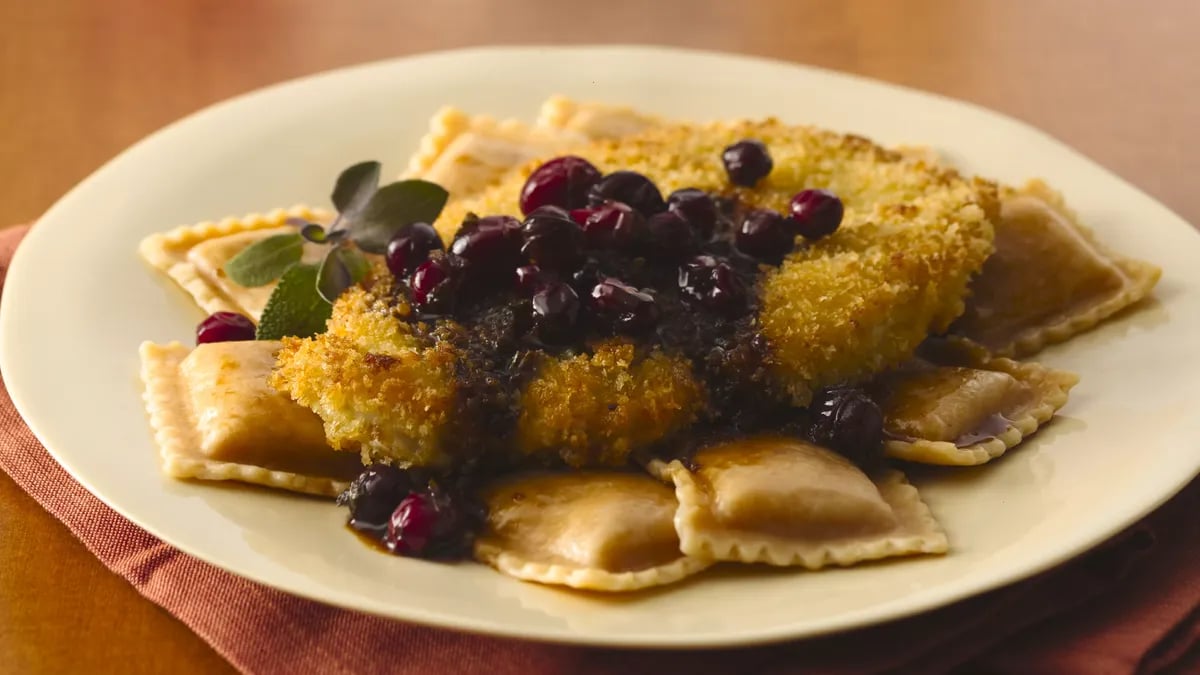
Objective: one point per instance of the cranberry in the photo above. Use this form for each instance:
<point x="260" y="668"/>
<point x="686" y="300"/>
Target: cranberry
<point x="531" y="279"/>
<point x="410" y="247"/>
<point x="766" y="235"/>
<point x="614" y="225"/>
<point x="587" y="276"/>
<point x="713" y="283"/>
<point x="412" y="524"/>
<point x="555" y="312"/>
<point x="670" y="236"/>
<point x="816" y="213"/>
<point x="552" y="239"/>
<point x="563" y="182"/>
<point x="581" y="215"/>
<point x="491" y="246"/>
<point x="625" y="308"/>
<point x="846" y="420"/>
<point x="374" y="494"/>
<point x="431" y="522"/>
<point x="697" y="209"/>
<point x="747" y="162"/>
<point x="224" y="327"/>
<point x="433" y="285"/>
<point x="628" y="187"/>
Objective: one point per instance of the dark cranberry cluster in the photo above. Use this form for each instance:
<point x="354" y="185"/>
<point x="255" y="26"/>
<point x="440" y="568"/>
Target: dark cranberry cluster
<point x="768" y="235"/>
<point x="572" y="215"/>
<point x="411" y="513"/>
<point x="575" y="217"/>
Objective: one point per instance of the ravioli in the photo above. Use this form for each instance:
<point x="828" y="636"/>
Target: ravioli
<point x="194" y="256"/>
<point x="602" y="531"/>
<point x="596" y="121"/>
<point x="785" y="502"/>
<point x="1049" y="279"/>
<point x="465" y="153"/>
<point x="960" y="406"/>
<point x="215" y="418"/>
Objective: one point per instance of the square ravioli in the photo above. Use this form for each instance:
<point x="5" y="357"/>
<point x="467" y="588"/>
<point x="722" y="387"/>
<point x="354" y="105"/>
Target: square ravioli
<point x="465" y="153"/>
<point x="596" y="121"/>
<point x="958" y="405"/>
<point x="215" y="418"/>
<point x="597" y="530"/>
<point x="1016" y="307"/>
<point x="786" y="502"/>
<point x="194" y="256"/>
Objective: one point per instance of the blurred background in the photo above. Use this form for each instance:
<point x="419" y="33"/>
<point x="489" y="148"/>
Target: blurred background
<point x="82" y="79"/>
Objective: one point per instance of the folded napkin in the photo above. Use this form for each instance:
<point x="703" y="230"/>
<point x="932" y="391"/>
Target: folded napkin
<point x="1131" y="605"/>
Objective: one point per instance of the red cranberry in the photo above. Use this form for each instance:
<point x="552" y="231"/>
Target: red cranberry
<point x="552" y="239"/>
<point x="670" y="236"/>
<point x="628" y="187"/>
<point x="412" y="524"/>
<point x="816" y="213"/>
<point x="224" y="327"/>
<point x="614" y="225"/>
<point x="581" y="215"/>
<point x="846" y="420"/>
<point x="433" y="522"/>
<point x="410" y="247"/>
<point x="531" y="279"/>
<point x="433" y="285"/>
<point x="766" y="235"/>
<point x="747" y="162"/>
<point x="491" y="246"/>
<point x="713" y="283"/>
<point x="563" y="182"/>
<point x="696" y="208"/>
<point x="555" y="312"/>
<point x="625" y="308"/>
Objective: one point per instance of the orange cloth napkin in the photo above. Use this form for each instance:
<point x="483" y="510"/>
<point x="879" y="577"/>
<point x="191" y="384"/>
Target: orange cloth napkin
<point x="1131" y="605"/>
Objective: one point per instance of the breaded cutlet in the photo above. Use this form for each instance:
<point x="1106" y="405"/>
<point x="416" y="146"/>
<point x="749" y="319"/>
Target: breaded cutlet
<point x="836" y="310"/>
<point x="391" y="394"/>
<point x="848" y="305"/>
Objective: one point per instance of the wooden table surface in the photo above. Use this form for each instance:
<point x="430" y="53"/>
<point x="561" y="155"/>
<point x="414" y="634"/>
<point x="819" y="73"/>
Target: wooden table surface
<point x="80" y="80"/>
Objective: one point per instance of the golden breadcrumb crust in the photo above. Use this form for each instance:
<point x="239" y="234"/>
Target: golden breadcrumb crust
<point x="370" y="381"/>
<point x="382" y="391"/>
<point x="596" y="409"/>
<point x="862" y="300"/>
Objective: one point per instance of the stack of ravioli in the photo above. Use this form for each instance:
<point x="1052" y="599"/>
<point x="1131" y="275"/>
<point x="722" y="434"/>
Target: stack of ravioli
<point x="929" y="291"/>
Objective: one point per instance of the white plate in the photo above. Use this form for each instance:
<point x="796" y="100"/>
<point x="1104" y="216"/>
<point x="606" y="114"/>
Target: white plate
<point x="78" y="302"/>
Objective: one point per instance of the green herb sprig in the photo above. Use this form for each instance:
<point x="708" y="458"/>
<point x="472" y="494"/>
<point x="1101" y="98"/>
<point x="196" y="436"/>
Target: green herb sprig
<point x="368" y="217"/>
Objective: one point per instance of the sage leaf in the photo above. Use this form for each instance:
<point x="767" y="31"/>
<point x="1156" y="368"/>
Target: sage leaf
<point x="394" y="206"/>
<point x="342" y="268"/>
<point x="295" y="308"/>
<point x="356" y="262"/>
<point x="265" y="260"/>
<point x="355" y="186"/>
